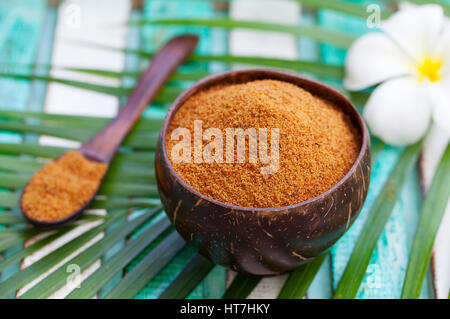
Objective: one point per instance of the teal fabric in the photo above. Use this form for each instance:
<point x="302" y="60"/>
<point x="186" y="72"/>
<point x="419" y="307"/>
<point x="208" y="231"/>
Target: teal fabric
<point x="21" y="26"/>
<point x="20" y="32"/>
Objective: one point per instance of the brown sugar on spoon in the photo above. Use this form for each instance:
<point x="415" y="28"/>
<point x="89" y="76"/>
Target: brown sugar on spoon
<point x="62" y="187"/>
<point x="318" y="143"/>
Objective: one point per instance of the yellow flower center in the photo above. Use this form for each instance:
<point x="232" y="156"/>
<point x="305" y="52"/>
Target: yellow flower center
<point x="430" y="69"/>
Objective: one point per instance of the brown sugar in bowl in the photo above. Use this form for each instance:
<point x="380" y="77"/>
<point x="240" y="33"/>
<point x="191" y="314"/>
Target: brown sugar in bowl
<point x="264" y="241"/>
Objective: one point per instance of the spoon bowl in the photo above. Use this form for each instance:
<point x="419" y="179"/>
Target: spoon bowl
<point x="263" y="241"/>
<point x="71" y="217"/>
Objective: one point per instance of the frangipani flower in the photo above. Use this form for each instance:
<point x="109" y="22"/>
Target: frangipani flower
<point x="411" y="60"/>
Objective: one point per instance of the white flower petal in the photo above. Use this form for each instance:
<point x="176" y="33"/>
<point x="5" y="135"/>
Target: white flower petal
<point x="398" y="111"/>
<point x="442" y="48"/>
<point x="416" y="29"/>
<point x="439" y="93"/>
<point x="406" y="5"/>
<point x="374" y="58"/>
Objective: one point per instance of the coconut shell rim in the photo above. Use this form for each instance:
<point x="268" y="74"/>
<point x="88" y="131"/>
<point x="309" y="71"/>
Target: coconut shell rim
<point x="220" y="78"/>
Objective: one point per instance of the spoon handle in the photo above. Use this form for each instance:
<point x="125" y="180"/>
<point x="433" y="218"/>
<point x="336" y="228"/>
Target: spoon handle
<point x="105" y="143"/>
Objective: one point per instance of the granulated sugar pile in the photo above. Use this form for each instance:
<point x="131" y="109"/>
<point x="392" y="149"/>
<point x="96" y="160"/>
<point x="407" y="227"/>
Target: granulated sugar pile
<point x="317" y="143"/>
<point x="62" y="187"/>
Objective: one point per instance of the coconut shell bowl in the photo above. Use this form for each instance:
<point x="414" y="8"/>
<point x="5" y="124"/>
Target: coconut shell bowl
<point x="263" y="241"/>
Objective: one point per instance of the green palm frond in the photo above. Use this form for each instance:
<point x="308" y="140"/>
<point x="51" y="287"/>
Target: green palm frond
<point x="241" y="287"/>
<point x="58" y="278"/>
<point x="143" y="140"/>
<point x="18" y="181"/>
<point x="433" y="210"/>
<point x="147" y="268"/>
<point x="339" y="39"/>
<point x="14" y="68"/>
<point x="165" y="95"/>
<point x="189" y="278"/>
<point x="353" y="9"/>
<point x="143" y="125"/>
<point x="123" y="157"/>
<point x="169" y="93"/>
<point x="20" y="254"/>
<point x="300" y="279"/>
<point x="114" y="265"/>
<point x="359" y="260"/>
<point x="25" y="276"/>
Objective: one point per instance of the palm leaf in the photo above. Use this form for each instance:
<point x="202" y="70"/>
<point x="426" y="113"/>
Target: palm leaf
<point x="11" y="200"/>
<point x="8" y="218"/>
<point x="15" y="164"/>
<point x="11" y="239"/>
<point x="117" y="171"/>
<point x="26" y="275"/>
<point x="126" y="167"/>
<point x="357" y="98"/>
<point x="166" y="94"/>
<point x="146" y="140"/>
<point x="433" y="210"/>
<point x="299" y="280"/>
<point x="32" y="149"/>
<point x="241" y="287"/>
<point x="20" y="254"/>
<point x="116" y="203"/>
<point x="11" y="218"/>
<point x="169" y="93"/>
<point x="177" y="76"/>
<point x="312" y="67"/>
<point x="116" y="263"/>
<point x="359" y="260"/>
<point x="339" y="39"/>
<point x="90" y="122"/>
<point x="59" y="277"/>
<point x="115" y="91"/>
<point x="189" y="278"/>
<point x="18" y="181"/>
<point x="353" y="9"/>
<point x="123" y="157"/>
<point x="376" y="148"/>
<point x="147" y="268"/>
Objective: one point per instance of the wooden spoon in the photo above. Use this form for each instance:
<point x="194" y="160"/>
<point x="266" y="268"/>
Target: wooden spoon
<point x="103" y="146"/>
